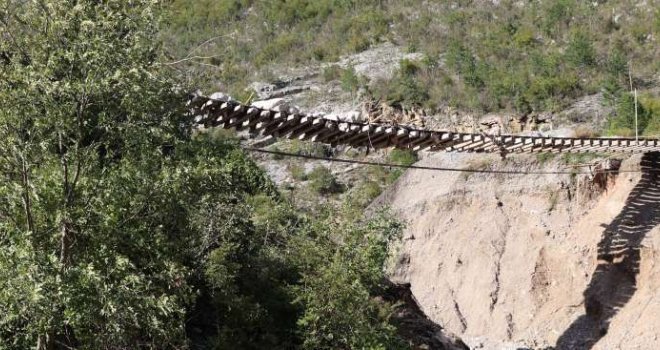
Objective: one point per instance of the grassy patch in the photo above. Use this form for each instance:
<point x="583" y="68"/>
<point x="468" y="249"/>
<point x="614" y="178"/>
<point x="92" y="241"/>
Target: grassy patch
<point x="399" y="156"/>
<point x="579" y="158"/>
<point x="298" y="172"/>
<point x="543" y="158"/>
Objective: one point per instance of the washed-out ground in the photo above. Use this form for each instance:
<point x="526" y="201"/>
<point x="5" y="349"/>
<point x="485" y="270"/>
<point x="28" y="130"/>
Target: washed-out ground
<point x="507" y="261"/>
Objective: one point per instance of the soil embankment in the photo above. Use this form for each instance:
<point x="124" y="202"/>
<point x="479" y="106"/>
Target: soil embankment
<point x="533" y="261"/>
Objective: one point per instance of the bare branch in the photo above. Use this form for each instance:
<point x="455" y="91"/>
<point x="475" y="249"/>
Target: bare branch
<point x="192" y="58"/>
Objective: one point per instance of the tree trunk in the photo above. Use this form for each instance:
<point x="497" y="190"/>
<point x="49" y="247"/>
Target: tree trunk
<point x="65" y="243"/>
<point x="27" y="203"/>
<point x="45" y="342"/>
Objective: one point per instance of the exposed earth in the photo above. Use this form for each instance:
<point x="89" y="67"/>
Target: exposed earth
<point x="505" y="261"/>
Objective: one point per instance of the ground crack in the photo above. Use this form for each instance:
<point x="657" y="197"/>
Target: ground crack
<point x="500" y="248"/>
<point x="459" y="314"/>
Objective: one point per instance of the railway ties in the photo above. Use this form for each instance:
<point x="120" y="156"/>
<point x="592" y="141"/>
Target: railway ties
<point x="290" y="124"/>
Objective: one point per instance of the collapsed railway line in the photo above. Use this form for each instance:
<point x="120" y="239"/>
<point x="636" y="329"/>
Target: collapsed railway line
<point x="290" y="124"/>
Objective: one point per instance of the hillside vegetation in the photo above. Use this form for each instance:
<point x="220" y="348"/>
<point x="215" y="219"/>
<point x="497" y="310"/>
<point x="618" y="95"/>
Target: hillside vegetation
<point x="122" y="229"/>
<point x="480" y="56"/>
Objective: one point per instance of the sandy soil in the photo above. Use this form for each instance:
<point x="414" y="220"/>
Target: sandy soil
<point x="507" y="261"/>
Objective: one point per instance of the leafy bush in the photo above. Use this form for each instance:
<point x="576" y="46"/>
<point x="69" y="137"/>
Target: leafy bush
<point x="307" y="148"/>
<point x="579" y="158"/>
<point x="557" y="13"/>
<point x="580" y="50"/>
<point x="652" y="107"/>
<point x="406" y="88"/>
<point x="402" y="156"/>
<point x="322" y="181"/>
<point x="623" y="122"/>
<point x="364" y="194"/>
<point x="339" y="310"/>
<point x="524" y="37"/>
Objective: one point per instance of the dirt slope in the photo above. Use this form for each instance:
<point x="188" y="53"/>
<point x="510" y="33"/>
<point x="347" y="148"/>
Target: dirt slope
<point x="505" y="261"/>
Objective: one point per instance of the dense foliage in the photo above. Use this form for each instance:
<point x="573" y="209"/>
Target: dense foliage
<point x="122" y="229"/>
<point x="481" y="56"/>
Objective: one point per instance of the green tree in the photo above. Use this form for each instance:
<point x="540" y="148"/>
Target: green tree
<point x="580" y="50"/>
<point x="100" y="179"/>
<point x="558" y="12"/>
<point x="339" y="283"/>
<point x="652" y="108"/>
<point x="406" y="88"/>
<point x="460" y="58"/>
<point x="623" y="122"/>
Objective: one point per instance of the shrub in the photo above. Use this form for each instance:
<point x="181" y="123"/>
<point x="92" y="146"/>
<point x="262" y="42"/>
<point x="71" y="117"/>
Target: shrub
<point x="364" y="194"/>
<point x="399" y="156"/>
<point x="298" y="172"/>
<point x="578" y="158"/>
<point x="623" y="122"/>
<point x="463" y="61"/>
<point x="524" y="37"/>
<point x="652" y="108"/>
<point x="323" y="182"/>
<point x="308" y="148"/>
<point x="349" y="80"/>
<point x="617" y="65"/>
<point x="332" y="72"/>
<point x="653" y="127"/>
<point x="580" y="50"/>
<point x="406" y="87"/>
<point x="365" y="29"/>
<point x="559" y="12"/>
<point x="402" y="156"/>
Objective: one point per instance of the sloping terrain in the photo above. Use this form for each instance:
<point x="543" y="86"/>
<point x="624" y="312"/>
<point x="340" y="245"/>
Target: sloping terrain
<point x="506" y="261"/>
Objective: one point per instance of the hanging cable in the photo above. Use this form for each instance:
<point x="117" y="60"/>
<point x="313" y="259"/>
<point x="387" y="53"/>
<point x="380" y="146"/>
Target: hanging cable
<point x="421" y="167"/>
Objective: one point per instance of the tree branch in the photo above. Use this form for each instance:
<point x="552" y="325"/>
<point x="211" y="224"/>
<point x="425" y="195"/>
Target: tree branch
<point x="27" y="202"/>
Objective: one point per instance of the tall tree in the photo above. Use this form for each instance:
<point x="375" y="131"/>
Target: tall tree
<point x="118" y="229"/>
<point x="95" y="203"/>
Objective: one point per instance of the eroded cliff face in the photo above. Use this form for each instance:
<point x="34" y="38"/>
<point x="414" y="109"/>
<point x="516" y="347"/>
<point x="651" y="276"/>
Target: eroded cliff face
<point x="533" y="261"/>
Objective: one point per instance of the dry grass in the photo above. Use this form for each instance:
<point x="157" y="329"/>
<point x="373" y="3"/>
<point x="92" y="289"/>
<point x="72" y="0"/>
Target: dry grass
<point x="585" y="132"/>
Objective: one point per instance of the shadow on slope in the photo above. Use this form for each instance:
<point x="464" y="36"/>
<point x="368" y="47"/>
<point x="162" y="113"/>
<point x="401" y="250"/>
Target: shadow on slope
<point x="414" y="326"/>
<point x="615" y="280"/>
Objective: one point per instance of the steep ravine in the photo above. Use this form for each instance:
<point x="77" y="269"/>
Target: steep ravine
<point x="505" y="261"/>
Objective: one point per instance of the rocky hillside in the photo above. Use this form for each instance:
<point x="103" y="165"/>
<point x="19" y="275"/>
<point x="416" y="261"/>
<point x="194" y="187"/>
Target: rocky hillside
<point x="528" y="59"/>
<point x="503" y="261"/>
<point x="533" y="261"/>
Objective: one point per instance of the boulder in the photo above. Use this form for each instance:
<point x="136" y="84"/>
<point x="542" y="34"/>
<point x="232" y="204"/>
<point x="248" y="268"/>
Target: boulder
<point x="270" y="104"/>
<point x="219" y="96"/>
